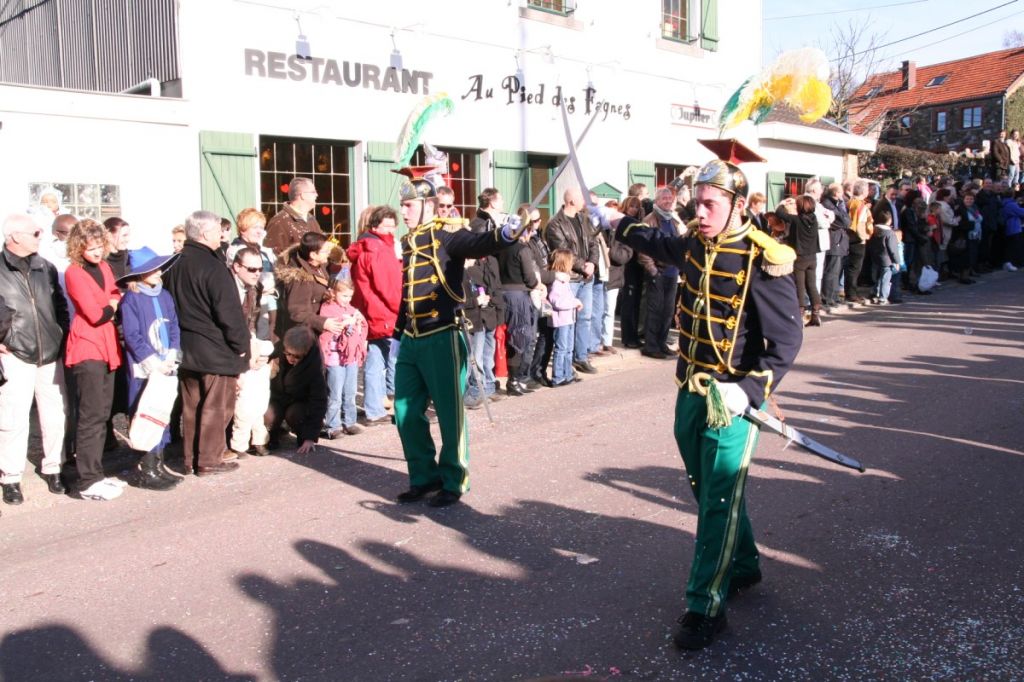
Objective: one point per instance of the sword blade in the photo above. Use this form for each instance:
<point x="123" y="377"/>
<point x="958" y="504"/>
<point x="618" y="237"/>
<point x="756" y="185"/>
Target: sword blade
<point x="561" y="167"/>
<point x="770" y="423"/>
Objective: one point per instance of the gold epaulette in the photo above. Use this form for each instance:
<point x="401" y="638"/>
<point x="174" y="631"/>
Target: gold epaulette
<point x="778" y="258"/>
<point x="452" y="224"/>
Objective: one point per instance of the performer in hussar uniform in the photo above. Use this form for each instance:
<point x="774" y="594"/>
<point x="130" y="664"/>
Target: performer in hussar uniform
<point x="432" y="353"/>
<point x="739" y="333"/>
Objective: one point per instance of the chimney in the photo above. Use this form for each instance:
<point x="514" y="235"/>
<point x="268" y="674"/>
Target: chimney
<point x="909" y="75"/>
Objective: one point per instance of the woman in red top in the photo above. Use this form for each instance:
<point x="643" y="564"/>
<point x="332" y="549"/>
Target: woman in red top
<point x="92" y="353"/>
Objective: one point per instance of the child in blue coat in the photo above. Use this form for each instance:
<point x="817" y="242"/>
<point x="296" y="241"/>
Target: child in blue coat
<point x="152" y="344"/>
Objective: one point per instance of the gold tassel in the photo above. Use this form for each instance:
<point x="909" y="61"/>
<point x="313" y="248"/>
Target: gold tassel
<point x="718" y="415"/>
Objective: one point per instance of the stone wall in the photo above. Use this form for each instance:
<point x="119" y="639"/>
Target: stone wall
<point x="922" y="133"/>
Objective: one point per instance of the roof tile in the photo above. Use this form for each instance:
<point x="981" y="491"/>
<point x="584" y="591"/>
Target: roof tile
<point x="992" y="73"/>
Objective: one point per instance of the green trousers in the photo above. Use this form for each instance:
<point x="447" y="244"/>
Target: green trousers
<point x="716" y="463"/>
<point x="433" y="368"/>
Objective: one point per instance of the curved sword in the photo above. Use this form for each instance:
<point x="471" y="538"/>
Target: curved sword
<point x="766" y="421"/>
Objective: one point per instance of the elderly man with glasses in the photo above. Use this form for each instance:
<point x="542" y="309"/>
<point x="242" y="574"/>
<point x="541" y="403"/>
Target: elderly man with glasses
<point x="295" y="218"/>
<point x="30" y="355"/>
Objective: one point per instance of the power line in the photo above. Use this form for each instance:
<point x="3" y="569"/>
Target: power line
<point x="844" y="11"/>
<point x="922" y="33"/>
<point x="963" y="33"/>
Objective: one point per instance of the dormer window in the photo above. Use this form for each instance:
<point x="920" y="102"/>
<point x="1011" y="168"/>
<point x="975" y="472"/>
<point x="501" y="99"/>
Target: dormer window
<point x="938" y="80"/>
<point x="874" y="91"/>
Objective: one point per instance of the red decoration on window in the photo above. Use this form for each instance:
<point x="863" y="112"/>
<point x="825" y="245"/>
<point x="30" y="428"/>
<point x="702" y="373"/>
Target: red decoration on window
<point x="456" y="166"/>
<point x="285" y="188"/>
<point x="326" y="210"/>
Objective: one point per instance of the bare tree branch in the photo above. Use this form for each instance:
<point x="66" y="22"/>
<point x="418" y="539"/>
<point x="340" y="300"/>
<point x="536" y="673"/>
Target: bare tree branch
<point x="1013" y="38"/>
<point x="853" y="52"/>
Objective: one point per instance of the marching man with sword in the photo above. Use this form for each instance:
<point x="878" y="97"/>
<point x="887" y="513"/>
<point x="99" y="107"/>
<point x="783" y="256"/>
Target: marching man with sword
<point x="739" y="332"/>
<point x="432" y="353"/>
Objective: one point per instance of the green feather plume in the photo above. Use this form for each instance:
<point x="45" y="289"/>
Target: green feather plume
<point x="412" y="131"/>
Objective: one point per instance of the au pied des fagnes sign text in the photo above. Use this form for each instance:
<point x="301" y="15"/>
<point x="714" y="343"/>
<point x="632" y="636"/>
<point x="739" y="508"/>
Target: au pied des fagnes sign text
<point x="512" y="90"/>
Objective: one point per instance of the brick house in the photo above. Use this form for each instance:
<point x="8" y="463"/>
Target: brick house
<point x="952" y="106"/>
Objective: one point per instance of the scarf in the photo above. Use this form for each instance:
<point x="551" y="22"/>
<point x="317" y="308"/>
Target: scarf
<point x="154" y="294"/>
<point x="666" y="215"/>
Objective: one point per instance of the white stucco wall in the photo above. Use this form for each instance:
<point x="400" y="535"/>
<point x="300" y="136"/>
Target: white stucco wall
<point x="150" y="146"/>
<point x="144" y="145"/>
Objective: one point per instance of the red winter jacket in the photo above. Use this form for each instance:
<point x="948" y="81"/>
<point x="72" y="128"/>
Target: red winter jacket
<point x="377" y="277"/>
<point x="93" y="335"/>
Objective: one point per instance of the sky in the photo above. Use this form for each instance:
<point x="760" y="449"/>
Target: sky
<point x="894" y="20"/>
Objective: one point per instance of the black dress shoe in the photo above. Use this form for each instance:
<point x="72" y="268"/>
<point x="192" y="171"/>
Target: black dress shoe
<point x="585" y="367"/>
<point x="515" y="388"/>
<point x="546" y="382"/>
<point x="445" y="498"/>
<point x="415" y="493"/>
<point x="742" y="582"/>
<point x="12" y="493"/>
<point x="54" y="483"/>
<point x="656" y="354"/>
<point x="633" y="344"/>
<point x="222" y="468"/>
<point x="697" y="631"/>
<point x="533" y="384"/>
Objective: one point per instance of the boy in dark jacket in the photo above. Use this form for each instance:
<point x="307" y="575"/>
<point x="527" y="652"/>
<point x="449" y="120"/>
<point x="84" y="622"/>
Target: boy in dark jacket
<point x="884" y="252"/>
<point x="485" y="310"/>
<point x="298" y="391"/>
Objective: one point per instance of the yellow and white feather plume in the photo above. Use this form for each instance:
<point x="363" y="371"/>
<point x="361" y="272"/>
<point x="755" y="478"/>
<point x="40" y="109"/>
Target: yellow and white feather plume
<point x="798" y="78"/>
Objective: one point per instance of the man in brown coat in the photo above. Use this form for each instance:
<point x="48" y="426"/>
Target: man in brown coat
<point x="296" y="218"/>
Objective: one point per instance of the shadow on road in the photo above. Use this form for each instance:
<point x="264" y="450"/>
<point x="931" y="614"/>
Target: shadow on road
<point x="883" y="576"/>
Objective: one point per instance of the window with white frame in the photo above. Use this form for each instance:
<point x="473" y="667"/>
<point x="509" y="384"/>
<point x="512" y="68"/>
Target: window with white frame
<point x="676" y="20"/>
<point x="563" y="7"/>
<point x="972" y="117"/>
<point x="85" y="200"/>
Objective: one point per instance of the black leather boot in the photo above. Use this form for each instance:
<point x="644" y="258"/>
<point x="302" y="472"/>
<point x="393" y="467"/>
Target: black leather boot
<point x="164" y="472"/>
<point x="149" y="474"/>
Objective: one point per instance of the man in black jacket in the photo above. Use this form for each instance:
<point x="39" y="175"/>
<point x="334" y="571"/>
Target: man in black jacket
<point x="31" y="357"/>
<point x="838" y="245"/>
<point x="1000" y="158"/>
<point x="571" y="229"/>
<point x="298" y="390"/>
<point x="214" y="344"/>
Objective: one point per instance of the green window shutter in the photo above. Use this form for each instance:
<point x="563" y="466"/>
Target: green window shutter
<point x="709" y="25"/>
<point x="776" y="189"/>
<point x="642" y="171"/>
<point x="227" y="176"/>
<point x="381" y="183"/>
<point x="512" y="177"/>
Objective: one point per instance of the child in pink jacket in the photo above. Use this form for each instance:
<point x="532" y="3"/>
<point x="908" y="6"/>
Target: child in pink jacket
<point x="563" y="316"/>
<point x="344" y="354"/>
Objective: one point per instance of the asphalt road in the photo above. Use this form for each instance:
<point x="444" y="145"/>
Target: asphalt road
<point x="570" y="554"/>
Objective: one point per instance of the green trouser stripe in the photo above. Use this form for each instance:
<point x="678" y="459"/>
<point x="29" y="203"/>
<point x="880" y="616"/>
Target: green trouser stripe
<point x="433" y="368"/>
<point x="716" y="461"/>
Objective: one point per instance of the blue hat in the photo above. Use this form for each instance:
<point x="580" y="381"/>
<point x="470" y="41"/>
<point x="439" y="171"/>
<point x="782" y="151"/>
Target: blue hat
<point x="145" y="260"/>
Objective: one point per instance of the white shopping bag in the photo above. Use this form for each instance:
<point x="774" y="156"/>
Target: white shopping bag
<point x="154" y="413"/>
<point x="928" y="279"/>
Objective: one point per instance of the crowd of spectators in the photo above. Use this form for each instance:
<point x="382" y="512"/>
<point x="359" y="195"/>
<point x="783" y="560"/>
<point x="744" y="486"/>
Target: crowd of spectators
<point x="277" y="329"/>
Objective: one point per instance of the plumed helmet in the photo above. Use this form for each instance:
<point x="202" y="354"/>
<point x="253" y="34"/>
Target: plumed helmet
<point x="723" y="175"/>
<point x="416" y="186"/>
<point x="724" y="172"/>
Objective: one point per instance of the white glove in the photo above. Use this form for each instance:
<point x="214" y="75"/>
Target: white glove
<point x="152" y="365"/>
<point x="735" y="399"/>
